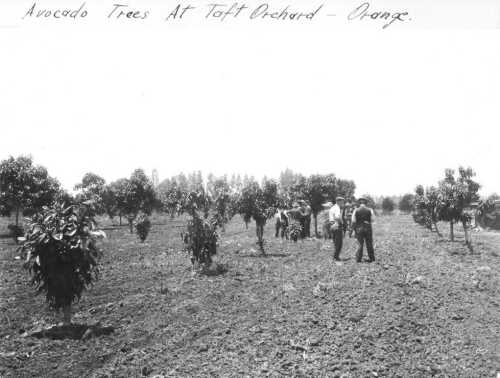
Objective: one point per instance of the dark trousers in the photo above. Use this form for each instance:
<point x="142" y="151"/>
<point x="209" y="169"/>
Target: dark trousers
<point x="302" y="222"/>
<point x="307" y="225"/>
<point x="280" y="225"/>
<point x="364" y="235"/>
<point x="338" y="236"/>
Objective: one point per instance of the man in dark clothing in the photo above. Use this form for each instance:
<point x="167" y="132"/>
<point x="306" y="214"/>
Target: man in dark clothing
<point x="308" y="212"/>
<point x="362" y="220"/>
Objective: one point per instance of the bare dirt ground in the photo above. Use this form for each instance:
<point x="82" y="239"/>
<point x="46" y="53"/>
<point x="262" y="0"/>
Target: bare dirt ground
<point x="427" y="307"/>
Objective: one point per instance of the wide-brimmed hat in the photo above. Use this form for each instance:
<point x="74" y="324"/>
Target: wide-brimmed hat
<point x="339" y="198"/>
<point x="362" y="199"/>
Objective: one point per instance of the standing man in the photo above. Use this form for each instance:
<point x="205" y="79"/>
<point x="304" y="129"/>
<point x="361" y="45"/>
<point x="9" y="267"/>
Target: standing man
<point x="347" y="216"/>
<point x="281" y="219"/>
<point x="308" y="212"/>
<point x="337" y="226"/>
<point x="362" y="220"/>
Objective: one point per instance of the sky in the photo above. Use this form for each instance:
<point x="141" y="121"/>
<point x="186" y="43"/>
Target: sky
<point x="389" y="108"/>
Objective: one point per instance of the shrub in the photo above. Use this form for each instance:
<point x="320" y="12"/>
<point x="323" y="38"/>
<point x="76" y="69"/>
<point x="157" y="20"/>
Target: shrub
<point x="61" y="254"/>
<point x="388" y="205"/>
<point x="200" y="239"/>
<point x="142" y="227"/>
<point x="294" y="231"/>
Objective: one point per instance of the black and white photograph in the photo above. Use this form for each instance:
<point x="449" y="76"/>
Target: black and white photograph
<point x="287" y="188"/>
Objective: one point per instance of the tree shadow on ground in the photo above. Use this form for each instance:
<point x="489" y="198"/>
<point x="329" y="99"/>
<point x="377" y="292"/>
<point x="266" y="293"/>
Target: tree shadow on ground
<point x="264" y="255"/>
<point x="72" y="331"/>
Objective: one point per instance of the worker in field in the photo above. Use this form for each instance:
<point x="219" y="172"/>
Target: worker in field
<point x="281" y="223"/>
<point x="324" y="220"/>
<point x="307" y="223"/>
<point x="347" y="216"/>
<point x="337" y="226"/>
<point x="362" y="220"/>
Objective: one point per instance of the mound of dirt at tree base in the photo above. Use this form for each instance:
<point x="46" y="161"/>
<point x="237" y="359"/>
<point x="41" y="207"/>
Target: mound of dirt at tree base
<point x="427" y="307"/>
<point x="72" y="331"/>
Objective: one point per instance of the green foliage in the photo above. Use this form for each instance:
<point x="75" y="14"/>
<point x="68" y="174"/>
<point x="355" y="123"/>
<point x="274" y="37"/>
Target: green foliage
<point x="142" y="227"/>
<point x="195" y="202"/>
<point x="91" y="191"/>
<point x="259" y="203"/>
<point x="388" y="205"/>
<point x="450" y="202"/>
<point x="406" y="203"/>
<point x="200" y="239"/>
<point x="134" y="195"/>
<point x="318" y="189"/>
<point x="426" y="204"/>
<point x="456" y="194"/>
<point x="109" y="200"/>
<point x="61" y="252"/>
<point x="294" y="231"/>
<point x="24" y="186"/>
<point x="222" y="200"/>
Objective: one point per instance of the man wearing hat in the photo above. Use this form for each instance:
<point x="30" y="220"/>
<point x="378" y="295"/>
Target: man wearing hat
<point x="337" y="226"/>
<point x="362" y="220"/>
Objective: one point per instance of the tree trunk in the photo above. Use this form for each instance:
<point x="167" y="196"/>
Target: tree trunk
<point x="452" y="235"/>
<point x="259" y="229"/>
<point x="66" y="315"/>
<point x="120" y="219"/>
<point x="468" y="236"/>
<point x="131" y="225"/>
<point x="316" y="225"/>
<point x="437" y="229"/>
<point x="246" y="224"/>
<point x="17" y="216"/>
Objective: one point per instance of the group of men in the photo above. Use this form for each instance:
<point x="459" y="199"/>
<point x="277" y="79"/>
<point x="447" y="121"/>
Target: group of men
<point x="337" y="219"/>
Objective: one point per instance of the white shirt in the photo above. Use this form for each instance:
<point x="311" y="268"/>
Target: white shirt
<point x="335" y="214"/>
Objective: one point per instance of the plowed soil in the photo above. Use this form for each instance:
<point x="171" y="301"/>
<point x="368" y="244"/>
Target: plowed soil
<point x="426" y="307"/>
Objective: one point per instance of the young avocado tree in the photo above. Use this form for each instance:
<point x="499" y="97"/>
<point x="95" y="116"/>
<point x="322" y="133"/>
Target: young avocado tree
<point x="406" y="203"/>
<point x="426" y="207"/>
<point x="457" y="194"/>
<point x="319" y="188"/>
<point x="142" y="227"/>
<point x="61" y="254"/>
<point x="388" y="205"/>
<point x="25" y="187"/>
<point x="200" y="236"/>
<point x="260" y="204"/>
<point x="220" y="194"/>
<point x="109" y="201"/>
<point x="135" y="195"/>
<point x="171" y="193"/>
<point x="91" y="190"/>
